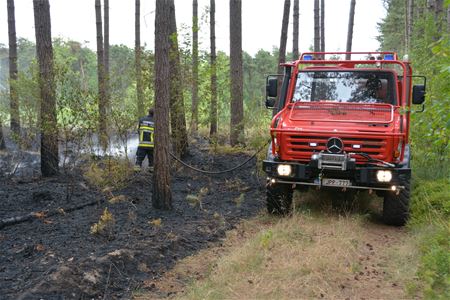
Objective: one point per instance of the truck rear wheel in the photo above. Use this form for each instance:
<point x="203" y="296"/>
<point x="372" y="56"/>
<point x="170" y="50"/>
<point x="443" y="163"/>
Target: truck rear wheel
<point x="396" y="207"/>
<point x="279" y="199"/>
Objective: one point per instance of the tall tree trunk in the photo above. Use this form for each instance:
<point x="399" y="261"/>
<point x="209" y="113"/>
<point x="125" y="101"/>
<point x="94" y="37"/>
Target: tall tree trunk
<point x="316" y="26"/>
<point x="106" y="55"/>
<point x="351" y="18"/>
<point x="410" y="23"/>
<point x="14" y="99"/>
<point x="44" y="51"/>
<point x="236" y="75"/>
<point x="282" y="50"/>
<point x="2" y="140"/>
<point x="212" y="37"/>
<point x="322" y="25"/>
<point x="448" y="18"/>
<point x="103" y="135"/>
<point x="194" y="119"/>
<point x="296" y="14"/>
<point x="439" y="14"/>
<point x="178" y="120"/>
<point x="162" y="196"/>
<point x="138" y="55"/>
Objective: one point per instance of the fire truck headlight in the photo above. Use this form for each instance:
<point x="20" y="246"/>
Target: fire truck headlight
<point x="384" y="176"/>
<point x="284" y="170"/>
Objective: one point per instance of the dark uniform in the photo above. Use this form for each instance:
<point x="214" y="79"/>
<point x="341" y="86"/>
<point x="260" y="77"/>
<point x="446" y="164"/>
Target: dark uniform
<point x="146" y="140"/>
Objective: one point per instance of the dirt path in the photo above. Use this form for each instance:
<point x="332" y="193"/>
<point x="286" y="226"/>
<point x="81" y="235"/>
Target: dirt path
<point x="308" y="255"/>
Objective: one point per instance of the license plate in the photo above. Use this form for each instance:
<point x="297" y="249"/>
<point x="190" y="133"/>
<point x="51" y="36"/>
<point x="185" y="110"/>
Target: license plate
<point x="336" y="182"/>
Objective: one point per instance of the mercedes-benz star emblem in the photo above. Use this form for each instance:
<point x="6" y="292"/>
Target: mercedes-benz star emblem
<point x="335" y="145"/>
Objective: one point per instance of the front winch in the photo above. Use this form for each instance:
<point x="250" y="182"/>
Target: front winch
<point x="332" y="161"/>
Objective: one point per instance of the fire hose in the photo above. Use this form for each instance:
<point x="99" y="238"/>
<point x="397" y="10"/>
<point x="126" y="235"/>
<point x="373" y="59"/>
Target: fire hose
<point x="219" y="172"/>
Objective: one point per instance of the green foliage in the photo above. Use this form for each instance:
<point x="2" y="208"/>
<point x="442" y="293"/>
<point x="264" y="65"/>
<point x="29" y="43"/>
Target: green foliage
<point x="430" y="202"/>
<point x="430" y="131"/>
<point x="434" y="269"/>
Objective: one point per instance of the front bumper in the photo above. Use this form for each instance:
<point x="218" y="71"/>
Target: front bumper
<point x="356" y="177"/>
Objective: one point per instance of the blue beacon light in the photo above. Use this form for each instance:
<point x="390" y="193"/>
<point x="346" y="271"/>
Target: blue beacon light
<point x="389" y="57"/>
<point x="307" y="57"/>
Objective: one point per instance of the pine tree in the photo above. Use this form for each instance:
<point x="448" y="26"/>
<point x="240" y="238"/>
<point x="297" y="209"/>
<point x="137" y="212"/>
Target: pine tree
<point x="14" y="99"/>
<point x="102" y="100"/>
<point x="236" y="75"/>
<point x="213" y="57"/>
<point x="162" y="195"/>
<point x="194" y="117"/>
<point x="106" y="55"/>
<point x="282" y="50"/>
<point x="2" y="140"/>
<point x="138" y="56"/>
<point x="44" y="51"/>
<point x="316" y="26"/>
<point x="351" y="18"/>
<point x="322" y="25"/>
<point x="296" y="15"/>
<point x="177" y="119"/>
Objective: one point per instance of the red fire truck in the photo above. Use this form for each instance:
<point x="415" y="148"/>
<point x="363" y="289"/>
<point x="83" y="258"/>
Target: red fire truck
<point x="342" y="123"/>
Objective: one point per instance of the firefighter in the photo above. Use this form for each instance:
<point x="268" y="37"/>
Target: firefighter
<point x="146" y="140"/>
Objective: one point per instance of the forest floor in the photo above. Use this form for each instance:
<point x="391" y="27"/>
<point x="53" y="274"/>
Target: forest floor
<point x="53" y="254"/>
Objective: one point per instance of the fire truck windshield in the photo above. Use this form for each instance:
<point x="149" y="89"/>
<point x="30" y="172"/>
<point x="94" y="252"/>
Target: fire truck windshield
<point x="345" y="86"/>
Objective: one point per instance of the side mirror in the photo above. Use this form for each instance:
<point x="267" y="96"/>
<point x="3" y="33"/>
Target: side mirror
<point x="271" y="90"/>
<point x="418" y="96"/>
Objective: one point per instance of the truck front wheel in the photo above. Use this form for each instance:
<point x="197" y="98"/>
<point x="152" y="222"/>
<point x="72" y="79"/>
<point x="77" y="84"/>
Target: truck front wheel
<point x="279" y="199"/>
<point x="396" y="207"/>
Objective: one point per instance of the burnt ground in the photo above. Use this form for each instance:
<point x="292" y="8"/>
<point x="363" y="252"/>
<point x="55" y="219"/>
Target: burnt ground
<point x="55" y="256"/>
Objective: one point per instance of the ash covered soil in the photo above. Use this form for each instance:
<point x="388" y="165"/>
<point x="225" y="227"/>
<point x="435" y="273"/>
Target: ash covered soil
<point x="54" y="255"/>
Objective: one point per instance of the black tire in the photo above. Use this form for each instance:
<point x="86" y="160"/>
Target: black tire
<point x="396" y="207"/>
<point x="279" y="199"/>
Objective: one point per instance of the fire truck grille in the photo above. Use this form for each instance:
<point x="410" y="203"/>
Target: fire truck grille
<point x="302" y="147"/>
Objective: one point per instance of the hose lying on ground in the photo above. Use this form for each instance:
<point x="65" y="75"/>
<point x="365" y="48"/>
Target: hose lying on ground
<point x="218" y="172"/>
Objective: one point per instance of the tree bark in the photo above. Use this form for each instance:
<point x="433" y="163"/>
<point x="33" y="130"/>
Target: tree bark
<point x="2" y="140"/>
<point x="213" y="56"/>
<point x="178" y="120"/>
<point x="296" y="14"/>
<point x="236" y="75"/>
<point x="439" y="14"/>
<point x="14" y="99"/>
<point x="106" y="55"/>
<point x="138" y="66"/>
<point x="448" y="18"/>
<point x="351" y="18"/>
<point x="282" y="50"/>
<point x="162" y="196"/>
<point x="103" y="135"/>
<point x="316" y="26"/>
<point x="409" y="23"/>
<point x="322" y="25"/>
<point x="194" y="117"/>
<point x="44" y="51"/>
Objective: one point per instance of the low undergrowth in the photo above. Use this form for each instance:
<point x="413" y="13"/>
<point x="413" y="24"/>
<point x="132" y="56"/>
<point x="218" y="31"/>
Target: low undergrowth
<point x="112" y="172"/>
<point x="430" y="215"/>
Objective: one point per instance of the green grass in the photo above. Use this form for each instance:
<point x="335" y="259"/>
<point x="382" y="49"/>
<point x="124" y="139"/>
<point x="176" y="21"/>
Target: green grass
<point x="430" y="215"/>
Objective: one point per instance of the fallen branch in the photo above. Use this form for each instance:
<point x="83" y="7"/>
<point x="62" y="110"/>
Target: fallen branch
<point x="42" y="214"/>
